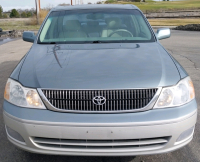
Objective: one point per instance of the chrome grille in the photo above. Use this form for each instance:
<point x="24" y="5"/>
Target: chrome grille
<point x="143" y="143"/>
<point x="116" y="100"/>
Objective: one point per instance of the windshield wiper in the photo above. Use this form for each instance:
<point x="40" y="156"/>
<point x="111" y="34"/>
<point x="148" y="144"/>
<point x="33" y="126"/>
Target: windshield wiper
<point x="98" y="41"/>
<point x="48" y="43"/>
<point x="110" y="41"/>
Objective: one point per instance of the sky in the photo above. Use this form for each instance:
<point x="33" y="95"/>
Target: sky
<point x="27" y="4"/>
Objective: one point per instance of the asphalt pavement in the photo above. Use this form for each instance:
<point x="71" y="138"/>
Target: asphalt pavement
<point x="183" y="45"/>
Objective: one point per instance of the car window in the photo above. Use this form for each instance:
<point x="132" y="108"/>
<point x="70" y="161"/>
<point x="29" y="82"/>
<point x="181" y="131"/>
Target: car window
<point x="86" y="26"/>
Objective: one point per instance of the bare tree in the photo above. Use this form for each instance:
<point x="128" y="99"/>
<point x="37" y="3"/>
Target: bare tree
<point x="89" y="3"/>
<point x="32" y="10"/>
<point x="20" y="10"/>
<point x="49" y="7"/>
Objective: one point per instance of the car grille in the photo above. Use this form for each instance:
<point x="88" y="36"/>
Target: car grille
<point x="116" y="100"/>
<point x="131" y="144"/>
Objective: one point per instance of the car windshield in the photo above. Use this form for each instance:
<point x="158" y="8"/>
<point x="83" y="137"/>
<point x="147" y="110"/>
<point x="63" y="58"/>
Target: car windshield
<point x="95" y="26"/>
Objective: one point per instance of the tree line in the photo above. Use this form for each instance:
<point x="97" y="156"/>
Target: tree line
<point x="17" y="13"/>
<point x="31" y="12"/>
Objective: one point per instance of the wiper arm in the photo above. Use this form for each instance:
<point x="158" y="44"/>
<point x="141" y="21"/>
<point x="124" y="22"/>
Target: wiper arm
<point x="48" y="43"/>
<point x="98" y="41"/>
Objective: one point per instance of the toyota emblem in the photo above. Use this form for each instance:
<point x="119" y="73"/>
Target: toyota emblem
<point x="99" y="100"/>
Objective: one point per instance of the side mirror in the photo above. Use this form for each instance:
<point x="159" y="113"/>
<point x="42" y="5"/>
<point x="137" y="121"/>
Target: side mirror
<point x="29" y="36"/>
<point x="163" y="33"/>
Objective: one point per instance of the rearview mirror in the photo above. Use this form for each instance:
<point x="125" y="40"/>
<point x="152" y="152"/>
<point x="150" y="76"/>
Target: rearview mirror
<point x="163" y="33"/>
<point x="29" y="36"/>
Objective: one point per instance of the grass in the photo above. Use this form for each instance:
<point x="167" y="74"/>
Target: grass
<point x="152" y="6"/>
<point x="22" y="24"/>
<point x="31" y="24"/>
<point x="173" y="22"/>
<point x="33" y="20"/>
<point x="17" y="25"/>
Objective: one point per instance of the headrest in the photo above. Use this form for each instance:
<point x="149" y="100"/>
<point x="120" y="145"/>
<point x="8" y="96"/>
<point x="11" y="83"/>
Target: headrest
<point x="73" y="25"/>
<point x="95" y="16"/>
<point x="113" y="22"/>
<point x="93" y="23"/>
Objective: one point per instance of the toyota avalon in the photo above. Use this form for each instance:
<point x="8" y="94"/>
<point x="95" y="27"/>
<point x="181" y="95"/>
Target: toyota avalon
<point x="97" y="82"/>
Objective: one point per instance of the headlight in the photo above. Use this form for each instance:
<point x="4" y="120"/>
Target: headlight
<point x="177" y="95"/>
<point x="18" y="95"/>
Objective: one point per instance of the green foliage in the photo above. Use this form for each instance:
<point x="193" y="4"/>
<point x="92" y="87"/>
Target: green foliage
<point x="1" y="11"/>
<point x="23" y="14"/>
<point x="28" y="14"/>
<point x="5" y="16"/>
<point x="110" y="1"/>
<point x="154" y="6"/>
<point x="119" y="1"/>
<point x="14" y="14"/>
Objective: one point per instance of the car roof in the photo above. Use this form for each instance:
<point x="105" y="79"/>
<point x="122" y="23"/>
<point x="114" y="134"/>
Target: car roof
<point x="95" y="6"/>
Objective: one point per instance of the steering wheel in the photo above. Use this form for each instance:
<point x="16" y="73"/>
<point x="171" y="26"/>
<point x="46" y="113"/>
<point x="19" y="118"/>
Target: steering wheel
<point x="121" y="30"/>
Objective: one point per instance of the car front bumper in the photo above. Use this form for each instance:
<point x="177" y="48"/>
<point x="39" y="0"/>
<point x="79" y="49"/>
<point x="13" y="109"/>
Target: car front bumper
<point x="150" y="132"/>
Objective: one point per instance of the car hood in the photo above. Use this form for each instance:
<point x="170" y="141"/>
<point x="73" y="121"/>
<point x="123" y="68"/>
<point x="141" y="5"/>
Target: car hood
<point x="98" y="66"/>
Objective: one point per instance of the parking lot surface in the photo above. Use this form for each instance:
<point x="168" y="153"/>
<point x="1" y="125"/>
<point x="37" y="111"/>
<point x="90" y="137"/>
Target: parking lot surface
<point x="183" y="45"/>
